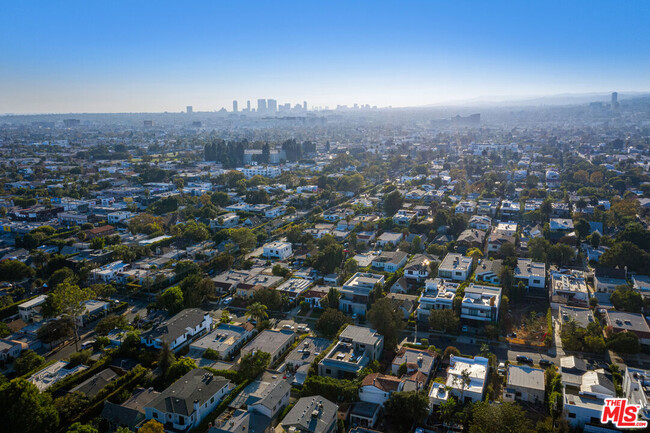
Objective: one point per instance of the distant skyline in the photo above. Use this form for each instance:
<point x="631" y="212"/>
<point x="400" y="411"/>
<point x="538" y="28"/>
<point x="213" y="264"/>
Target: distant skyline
<point x="125" y="56"/>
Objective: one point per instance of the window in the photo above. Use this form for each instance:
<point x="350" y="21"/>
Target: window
<point x="328" y="371"/>
<point x="572" y="415"/>
<point x="212" y="400"/>
<point x="155" y="415"/>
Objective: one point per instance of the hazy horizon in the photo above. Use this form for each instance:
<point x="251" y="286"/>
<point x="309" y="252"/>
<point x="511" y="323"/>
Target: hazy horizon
<point x="123" y="57"/>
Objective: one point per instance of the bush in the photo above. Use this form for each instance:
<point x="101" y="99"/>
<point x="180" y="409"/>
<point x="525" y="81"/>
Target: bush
<point x="211" y="354"/>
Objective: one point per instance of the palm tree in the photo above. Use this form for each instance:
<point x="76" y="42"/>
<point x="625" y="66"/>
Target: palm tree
<point x="257" y="311"/>
<point x="446" y="410"/>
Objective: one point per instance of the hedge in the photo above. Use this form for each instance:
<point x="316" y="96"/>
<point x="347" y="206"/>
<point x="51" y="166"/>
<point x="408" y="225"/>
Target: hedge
<point x="96" y="407"/>
<point x="12" y="309"/>
<point x="75" y="379"/>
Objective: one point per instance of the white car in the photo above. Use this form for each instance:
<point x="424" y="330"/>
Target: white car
<point x="87" y="344"/>
<point x="227" y="300"/>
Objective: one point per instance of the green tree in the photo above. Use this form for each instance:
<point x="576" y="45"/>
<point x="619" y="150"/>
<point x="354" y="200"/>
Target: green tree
<point x="82" y="428"/>
<point x="108" y="323"/>
<point x="393" y="202"/>
<point x="625" y="298"/>
<point x="582" y="228"/>
<point x="623" y="342"/>
<point x="623" y="254"/>
<point x="152" y="426"/>
<point x="166" y="358"/>
<point x="330" y="388"/>
<point x="179" y="368"/>
<point x="331" y="300"/>
<point x="70" y="405"/>
<point x="244" y="238"/>
<point x="172" y="300"/>
<point x="25" y="409"/>
<point x="27" y="361"/>
<point x="450" y="350"/>
<point x="331" y="321"/>
<point x="59" y="276"/>
<point x="387" y="319"/>
<point x="405" y="408"/>
<point x="14" y="270"/>
<point x="498" y="418"/>
<point x="443" y="320"/>
<point x="184" y="268"/>
<point x="257" y="311"/>
<point x="252" y="365"/>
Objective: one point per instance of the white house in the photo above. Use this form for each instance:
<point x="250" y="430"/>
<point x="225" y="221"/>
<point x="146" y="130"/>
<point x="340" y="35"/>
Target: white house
<point x="185" y="403"/>
<point x="472" y="390"/>
<point x="481" y="303"/>
<point x="377" y="388"/>
<point x="178" y="330"/>
<point x="532" y="274"/>
<point x="30" y="309"/>
<point x="438" y="294"/>
<point x="455" y="267"/>
<point x="277" y="250"/>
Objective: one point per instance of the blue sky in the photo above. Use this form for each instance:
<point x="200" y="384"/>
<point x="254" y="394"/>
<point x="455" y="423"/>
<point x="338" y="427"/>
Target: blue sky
<point x="131" y="56"/>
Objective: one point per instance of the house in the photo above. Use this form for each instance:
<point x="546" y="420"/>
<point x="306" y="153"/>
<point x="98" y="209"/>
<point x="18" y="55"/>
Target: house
<point x="364" y="414"/>
<point x="606" y="280"/>
<point x="226" y="221"/>
<point x="390" y="261"/>
<point x="581" y="316"/>
<point x="568" y="288"/>
<point x="507" y="228"/>
<point x="476" y="370"/>
<point x="72" y="218"/>
<point x="400" y="286"/>
<point x="178" y="330"/>
<point x="418" y="268"/>
<point x="510" y="209"/>
<point x="641" y="283"/>
<point x="242" y="421"/>
<point x="129" y="414"/>
<point x="404" y="217"/>
<point x="31" y="309"/>
<point x="314" y="414"/>
<point x="389" y="238"/>
<point x="93" y="309"/>
<point x="275" y="343"/>
<point x="524" y="383"/>
<point x="357" y="346"/>
<point x="277" y="250"/>
<point x="636" y="388"/>
<point x="470" y="238"/>
<point x="99" y="232"/>
<point x="119" y="217"/>
<point x="185" y="403"/>
<point x="355" y="292"/>
<point x="405" y="303"/>
<point x="314" y="295"/>
<point x="481" y="303"/>
<point x="488" y="206"/>
<point x="294" y="287"/>
<point x="366" y="237"/>
<point x="480" y="222"/>
<point x="561" y="225"/>
<point x="438" y="294"/>
<point x="264" y="397"/>
<point x="496" y="240"/>
<point x="455" y="267"/>
<point x="584" y="393"/>
<point x="377" y="388"/>
<point x="91" y="386"/>
<point x="226" y="339"/>
<point x="488" y="271"/>
<point x="465" y="207"/>
<point x="11" y="349"/>
<point x="419" y="360"/>
<point x="305" y="353"/>
<point x="621" y="321"/>
<point x="53" y="373"/>
<point x="532" y="274"/>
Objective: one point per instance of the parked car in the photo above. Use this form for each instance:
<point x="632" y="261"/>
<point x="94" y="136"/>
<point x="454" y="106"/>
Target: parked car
<point x="501" y="369"/>
<point x="545" y="363"/>
<point x="87" y="344"/>
<point x="524" y="359"/>
<point x="227" y="300"/>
